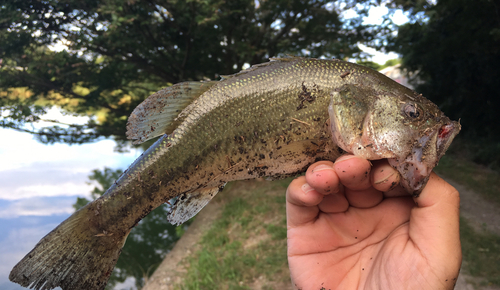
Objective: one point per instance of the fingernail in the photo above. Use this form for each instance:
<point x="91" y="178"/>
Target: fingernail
<point x="306" y="188"/>
<point x="345" y="157"/>
<point x="322" y="167"/>
<point x="384" y="179"/>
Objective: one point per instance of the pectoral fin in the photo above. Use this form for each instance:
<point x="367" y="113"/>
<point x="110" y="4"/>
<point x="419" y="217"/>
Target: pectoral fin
<point x="189" y="204"/>
<point x="157" y="115"/>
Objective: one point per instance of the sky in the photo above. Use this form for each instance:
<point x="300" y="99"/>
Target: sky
<point x="32" y="169"/>
<point x="39" y="183"/>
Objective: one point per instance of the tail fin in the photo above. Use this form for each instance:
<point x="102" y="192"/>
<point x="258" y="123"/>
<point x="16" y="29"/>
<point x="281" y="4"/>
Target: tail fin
<point x="73" y="256"/>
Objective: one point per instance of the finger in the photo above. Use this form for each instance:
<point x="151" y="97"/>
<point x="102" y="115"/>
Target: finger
<point x="334" y="203"/>
<point x="301" y="202"/>
<point x="386" y="179"/>
<point x="383" y="176"/>
<point x="366" y="198"/>
<point x="302" y="194"/>
<point x="397" y="191"/>
<point x="434" y="224"/>
<point x="353" y="171"/>
<point x="323" y="178"/>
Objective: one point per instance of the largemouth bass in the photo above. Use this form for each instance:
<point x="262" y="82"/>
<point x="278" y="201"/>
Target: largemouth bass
<point x="273" y="119"/>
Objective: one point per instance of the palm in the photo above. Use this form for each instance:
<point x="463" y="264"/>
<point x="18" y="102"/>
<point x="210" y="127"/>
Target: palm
<point x="357" y="239"/>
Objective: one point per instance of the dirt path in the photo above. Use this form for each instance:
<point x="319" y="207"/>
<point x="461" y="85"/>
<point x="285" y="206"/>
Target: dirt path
<point x="478" y="212"/>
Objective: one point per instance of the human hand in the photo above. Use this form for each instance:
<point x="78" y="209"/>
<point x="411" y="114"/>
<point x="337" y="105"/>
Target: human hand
<point x="351" y="227"/>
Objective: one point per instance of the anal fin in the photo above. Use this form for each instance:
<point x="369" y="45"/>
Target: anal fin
<point x="189" y="204"/>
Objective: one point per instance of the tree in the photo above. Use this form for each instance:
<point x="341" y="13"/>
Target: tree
<point x="456" y="51"/>
<point x="118" y="52"/>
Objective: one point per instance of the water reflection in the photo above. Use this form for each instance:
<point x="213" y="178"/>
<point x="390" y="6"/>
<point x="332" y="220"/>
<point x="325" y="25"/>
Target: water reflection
<point x="18" y="236"/>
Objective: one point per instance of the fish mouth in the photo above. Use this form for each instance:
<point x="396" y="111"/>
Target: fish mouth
<point x="416" y="167"/>
<point x="445" y="136"/>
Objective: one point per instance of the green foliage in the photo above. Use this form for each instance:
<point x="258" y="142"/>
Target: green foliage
<point x="147" y="243"/>
<point x="80" y="202"/>
<point x="456" y="51"/>
<point x="391" y="62"/>
<point x="482" y="253"/>
<point x="104" y="181"/>
<point x="370" y="64"/>
<point x="377" y="66"/>
<point x="118" y="52"/>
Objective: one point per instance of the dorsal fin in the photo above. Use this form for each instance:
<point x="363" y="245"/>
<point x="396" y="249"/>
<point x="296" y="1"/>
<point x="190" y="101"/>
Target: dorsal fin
<point x="157" y="114"/>
<point x="259" y="65"/>
<point x="288" y="57"/>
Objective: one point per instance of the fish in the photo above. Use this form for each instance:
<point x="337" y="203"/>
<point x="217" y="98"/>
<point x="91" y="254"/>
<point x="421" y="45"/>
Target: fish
<point x="271" y="120"/>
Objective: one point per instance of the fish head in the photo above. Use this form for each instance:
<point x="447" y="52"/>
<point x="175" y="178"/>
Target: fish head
<point x="400" y="125"/>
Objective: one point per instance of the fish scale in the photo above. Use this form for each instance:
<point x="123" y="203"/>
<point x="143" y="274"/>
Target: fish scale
<point x="273" y="120"/>
<point x="264" y="100"/>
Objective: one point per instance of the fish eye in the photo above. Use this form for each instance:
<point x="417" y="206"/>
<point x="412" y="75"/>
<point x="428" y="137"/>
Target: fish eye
<point x="412" y="111"/>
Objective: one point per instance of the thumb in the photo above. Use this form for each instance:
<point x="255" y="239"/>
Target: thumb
<point x="434" y="224"/>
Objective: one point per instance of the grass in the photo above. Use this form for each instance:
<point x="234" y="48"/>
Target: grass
<point x="246" y="244"/>
<point x="481" y="251"/>
<point x="478" y="178"/>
